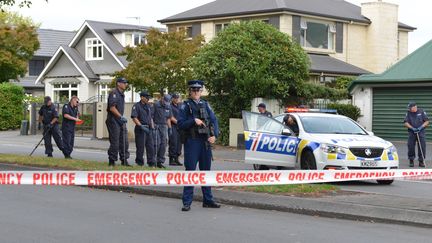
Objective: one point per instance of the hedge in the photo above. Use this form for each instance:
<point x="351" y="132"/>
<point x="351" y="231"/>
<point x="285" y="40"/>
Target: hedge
<point x="11" y="106"/>
<point x="348" y="110"/>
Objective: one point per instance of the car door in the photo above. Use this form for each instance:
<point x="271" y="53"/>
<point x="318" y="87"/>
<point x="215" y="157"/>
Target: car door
<point x="267" y="141"/>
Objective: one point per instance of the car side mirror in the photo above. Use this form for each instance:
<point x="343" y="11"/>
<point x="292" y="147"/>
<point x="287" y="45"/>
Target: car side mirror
<point x="371" y="133"/>
<point x="286" y="132"/>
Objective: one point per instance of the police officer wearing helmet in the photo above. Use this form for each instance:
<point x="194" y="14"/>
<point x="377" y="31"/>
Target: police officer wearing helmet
<point x="263" y="110"/>
<point x="175" y="145"/>
<point x="70" y="116"/>
<point x="162" y="119"/>
<point x="142" y="117"/>
<point x="416" y="121"/>
<point x="48" y="116"/>
<point x="116" y="124"/>
<point x="199" y="126"/>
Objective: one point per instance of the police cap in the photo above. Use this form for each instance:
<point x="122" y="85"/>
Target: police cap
<point x="122" y="80"/>
<point x="195" y="83"/>
<point x="145" y="94"/>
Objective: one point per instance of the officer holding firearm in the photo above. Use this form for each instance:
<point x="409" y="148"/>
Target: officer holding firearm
<point x="142" y="117"/>
<point x="48" y="116"/>
<point x="416" y="121"/>
<point x="116" y="124"/>
<point x="175" y="145"/>
<point x="199" y="128"/>
<point x="70" y="116"/>
<point x="162" y="119"/>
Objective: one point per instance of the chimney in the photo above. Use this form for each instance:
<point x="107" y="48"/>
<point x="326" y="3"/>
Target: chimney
<point x="382" y="35"/>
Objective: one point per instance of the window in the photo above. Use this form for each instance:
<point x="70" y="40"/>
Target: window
<point x="63" y="92"/>
<point x="139" y="38"/>
<point x="188" y="30"/>
<point x="36" y="67"/>
<point x="94" y="49"/>
<point x="220" y="27"/>
<point x="103" y="92"/>
<point x="318" y="35"/>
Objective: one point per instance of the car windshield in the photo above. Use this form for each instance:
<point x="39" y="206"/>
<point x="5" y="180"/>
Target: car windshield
<point x="335" y="125"/>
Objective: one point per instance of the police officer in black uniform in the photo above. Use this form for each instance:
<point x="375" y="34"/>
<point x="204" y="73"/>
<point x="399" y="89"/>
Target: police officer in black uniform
<point x="70" y="116"/>
<point x="416" y="121"/>
<point x="142" y="117"/>
<point x="262" y="109"/>
<point x="48" y="116"/>
<point x="200" y="129"/>
<point x="116" y="124"/>
<point x="175" y="145"/>
<point x="290" y="122"/>
<point x="162" y="119"/>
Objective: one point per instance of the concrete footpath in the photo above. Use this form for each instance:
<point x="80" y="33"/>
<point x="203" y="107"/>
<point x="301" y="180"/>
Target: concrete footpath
<point x="369" y="207"/>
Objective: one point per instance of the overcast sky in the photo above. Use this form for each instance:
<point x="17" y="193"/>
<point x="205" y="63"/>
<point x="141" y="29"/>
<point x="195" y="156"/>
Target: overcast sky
<point x="70" y="14"/>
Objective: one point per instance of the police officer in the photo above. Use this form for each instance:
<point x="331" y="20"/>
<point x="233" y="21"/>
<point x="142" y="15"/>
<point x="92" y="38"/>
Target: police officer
<point x="162" y="119"/>
<point x="175" y="145"/>
<point x="70" y="116"/>
<point x="142" y="117"/>
<point x="200" y="127"/>
<point x="416" y="121"/>
<point x="262" y="109"/>
<point x="48" y="116"/>
<point x="116" y="124"/>
<point x="290" y="122"/>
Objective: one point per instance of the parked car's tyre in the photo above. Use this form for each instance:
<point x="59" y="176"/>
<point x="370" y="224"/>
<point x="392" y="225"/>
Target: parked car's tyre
<point x="307" y="161"/>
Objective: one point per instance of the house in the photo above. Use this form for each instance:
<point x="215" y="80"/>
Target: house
<point x="85" y="66"/>
<point x="341" y="39"/>
<point x="49" y="41"/>
<point x="383" y="98"/>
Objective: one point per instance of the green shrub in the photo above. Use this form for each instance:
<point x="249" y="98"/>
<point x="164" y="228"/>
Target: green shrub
<point x="348" y="110"/>
<point x="11" y="106"/>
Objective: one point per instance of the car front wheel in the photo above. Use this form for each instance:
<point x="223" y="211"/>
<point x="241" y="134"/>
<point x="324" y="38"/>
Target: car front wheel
<point x="385" y="182"/>
<point x="308" y="161"/>
<point x="260" y="167"/>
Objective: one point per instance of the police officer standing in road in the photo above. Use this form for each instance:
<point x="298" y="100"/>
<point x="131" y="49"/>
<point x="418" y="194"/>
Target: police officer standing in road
<point x="70" y="116"/>
<point x="162" y="119"/>
<point x="142" y="117"/>
<point x="262" y="109"/>
<point x="175" y="145"/>
<point x="200" y="127"/>
<point x="416" y="121"/>
<point x="48" y="116"/>
<point x="116" y="124"/>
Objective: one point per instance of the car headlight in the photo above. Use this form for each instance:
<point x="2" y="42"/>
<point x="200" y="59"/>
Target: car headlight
<point x="392" y="149"/>
<point x="331" y="149"/>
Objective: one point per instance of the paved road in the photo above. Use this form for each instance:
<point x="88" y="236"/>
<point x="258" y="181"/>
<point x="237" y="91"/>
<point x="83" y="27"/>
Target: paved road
<point x="400" y="188"/>
<point x="79" y="214"/>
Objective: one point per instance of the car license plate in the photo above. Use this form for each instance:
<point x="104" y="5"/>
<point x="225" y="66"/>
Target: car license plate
<point x="369" y="164"/>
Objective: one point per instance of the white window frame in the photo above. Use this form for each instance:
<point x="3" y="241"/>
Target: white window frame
<point x="89" y="45"/>
<point x="65" y="87"/>
<point x="331" y="34"/>
<point x="104" y="88"/>
<point x="142" y="36"/>
<point x="223" y="26"/>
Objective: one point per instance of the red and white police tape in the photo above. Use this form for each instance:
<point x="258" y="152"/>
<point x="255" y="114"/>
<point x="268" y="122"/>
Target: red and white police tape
<point x="203" y="178"/>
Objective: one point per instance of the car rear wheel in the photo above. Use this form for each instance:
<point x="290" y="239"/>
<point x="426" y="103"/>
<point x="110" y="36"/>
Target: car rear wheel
<point x="308" y="161"/>
<point x="385" y="182"/>
<point x="260" y="167"/>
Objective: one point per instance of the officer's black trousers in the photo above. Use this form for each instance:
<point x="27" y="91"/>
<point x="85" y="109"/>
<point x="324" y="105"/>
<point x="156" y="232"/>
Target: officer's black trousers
<point x="118" y="140"/>
<point x="55" y="133"/>
<point x="161" y="141"/>
<point x="68" y="140"/>
<point x="144" y="140"/>
<point x="175" y="145"/>
<point x="412" y="140"/>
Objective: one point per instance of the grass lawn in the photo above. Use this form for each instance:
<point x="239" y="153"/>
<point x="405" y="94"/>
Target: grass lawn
<point x="296" y="190"/>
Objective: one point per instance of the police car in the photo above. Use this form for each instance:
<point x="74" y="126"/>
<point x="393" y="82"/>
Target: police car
<point x="324" y="142"/>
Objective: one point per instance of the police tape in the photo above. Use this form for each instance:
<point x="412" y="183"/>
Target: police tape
<point x="203" y="178"/>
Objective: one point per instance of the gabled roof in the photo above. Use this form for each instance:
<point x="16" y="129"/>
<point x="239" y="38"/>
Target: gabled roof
<point x="104" y="30"/>
<point x="336" y="9"/>
<point x="50" y="40"/>
<point x="416" y="67"/>
<point x="76" y="59"/>
<point x="331" y="65"/>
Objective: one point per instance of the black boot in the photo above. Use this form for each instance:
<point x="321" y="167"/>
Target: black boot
<point x="50" y="155"/>
<point x="111" y="163"/>
<point x="421" y="164"/>
<point x="125" y="163"/>
<point x="211" y="205"/>
<point x="177" y="161"/>
<point x="172" y="161"/>
<point x="411" y="163"/>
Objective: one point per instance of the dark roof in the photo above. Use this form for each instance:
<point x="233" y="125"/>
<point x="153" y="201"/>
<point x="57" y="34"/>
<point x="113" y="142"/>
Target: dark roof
<point x="337" y="9"/>
<point x="104" y="30"/>
<point x="50" y="40"/>
<point x="80" y="62"/>
<point x="331" y="65"/>
<point x="414" y="68"/>
<point x="29" y="82"/>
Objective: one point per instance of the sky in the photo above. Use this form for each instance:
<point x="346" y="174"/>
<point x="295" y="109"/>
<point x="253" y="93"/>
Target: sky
<point x="70" y="14"/>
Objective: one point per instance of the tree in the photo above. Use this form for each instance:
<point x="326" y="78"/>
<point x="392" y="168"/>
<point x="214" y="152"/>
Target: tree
<point x="24" y="3"/>
<point x="18" y="42"/>
<point x="163" y="62"/>
<point x="247" y="60"/>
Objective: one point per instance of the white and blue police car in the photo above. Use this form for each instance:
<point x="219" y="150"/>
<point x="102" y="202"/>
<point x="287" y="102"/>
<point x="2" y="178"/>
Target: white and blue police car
<point x="324" y="142"/>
